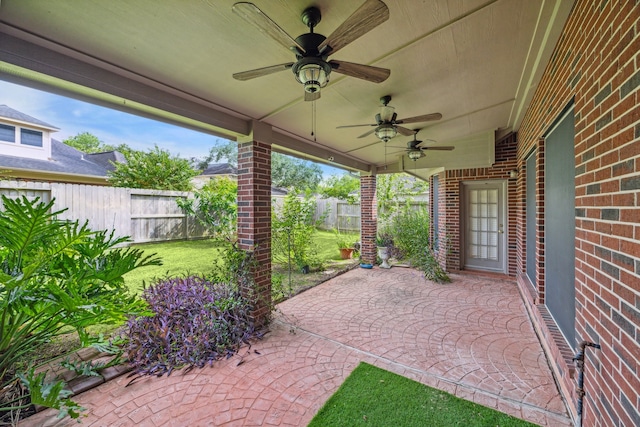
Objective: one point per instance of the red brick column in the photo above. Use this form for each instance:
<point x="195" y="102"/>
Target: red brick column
<point x="254" y="215"/>
<point x="368" y="219"/>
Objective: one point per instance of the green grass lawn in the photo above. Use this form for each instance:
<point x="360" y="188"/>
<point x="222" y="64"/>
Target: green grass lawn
<point x="181" y="258"/>
<point x="375" y="397"/>
<point x="327" y="246"/>
<point x="198" y="257"/>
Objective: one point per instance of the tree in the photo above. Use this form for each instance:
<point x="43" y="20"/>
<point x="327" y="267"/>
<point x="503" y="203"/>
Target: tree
<point x="286" y="171"/>
<point x="85" y="142"/>
<point x="394" y="191"/>
<point x="155" y="169"/>
<point x="289" y="172"/>
<point x="215" y="207"/>
<point x="344" y="187"/>
<point x="89" y="143"/>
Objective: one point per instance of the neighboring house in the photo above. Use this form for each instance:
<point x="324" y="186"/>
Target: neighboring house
<point x="227" y="170"/>
<point x="28" y="152"/>
<point x="215" y="170"/>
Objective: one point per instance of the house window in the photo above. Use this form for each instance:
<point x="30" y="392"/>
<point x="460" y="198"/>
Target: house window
<point x="31" y="137"/>
<point x="7" y="133"/>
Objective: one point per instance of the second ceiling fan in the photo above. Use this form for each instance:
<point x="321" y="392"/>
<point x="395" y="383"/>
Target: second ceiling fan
<point x="312" y="66"/>
<point x="387" y="124"/>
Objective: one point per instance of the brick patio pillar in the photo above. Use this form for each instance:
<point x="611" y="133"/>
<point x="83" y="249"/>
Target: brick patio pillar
<point x="368" y="218"/>
<point x="254" y="214"/>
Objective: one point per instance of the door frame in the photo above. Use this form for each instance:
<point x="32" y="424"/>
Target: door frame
<point x="503" y="183"/>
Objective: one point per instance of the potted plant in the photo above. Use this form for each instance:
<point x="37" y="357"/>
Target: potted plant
<point x="384" y="242"/>
<point x="344" y="245"/>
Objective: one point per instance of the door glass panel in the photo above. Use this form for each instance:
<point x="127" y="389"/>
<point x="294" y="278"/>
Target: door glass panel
<point x="483" y="224"/>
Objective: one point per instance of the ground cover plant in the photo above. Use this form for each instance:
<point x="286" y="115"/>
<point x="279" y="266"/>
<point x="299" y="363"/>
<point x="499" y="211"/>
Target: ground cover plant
<point x="373" y="396"/>
<point x="194" y="321"/>
<point x="55" y="275"/>
<point x="409" y="230"/>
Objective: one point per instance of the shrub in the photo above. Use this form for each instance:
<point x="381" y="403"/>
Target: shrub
<point x="55" y="274"/>
<point x="293" y="227"/>
<point x="410" y="231"/>
<point x="215" y="207"/>
<point x="194" y="323"/>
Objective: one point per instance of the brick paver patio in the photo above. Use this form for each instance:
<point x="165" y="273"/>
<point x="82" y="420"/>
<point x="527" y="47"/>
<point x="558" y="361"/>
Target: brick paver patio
<point x="471" y="337"/>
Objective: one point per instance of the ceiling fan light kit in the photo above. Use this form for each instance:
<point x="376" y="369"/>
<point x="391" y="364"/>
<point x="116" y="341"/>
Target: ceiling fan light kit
<point x="385" y="132"/>
<point x="314" y="75"/>
<point x="415" y="154"/>
<point x="312" y="67"/>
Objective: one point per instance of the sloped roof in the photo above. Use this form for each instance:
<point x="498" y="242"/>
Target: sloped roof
<point x="220" y="169"/>
<point x="11" y="114"/>
<point x="64" y="159"/>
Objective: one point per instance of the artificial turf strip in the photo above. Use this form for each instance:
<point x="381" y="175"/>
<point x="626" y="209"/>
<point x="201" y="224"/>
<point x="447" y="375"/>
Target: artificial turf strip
<point x="374" y="397"/>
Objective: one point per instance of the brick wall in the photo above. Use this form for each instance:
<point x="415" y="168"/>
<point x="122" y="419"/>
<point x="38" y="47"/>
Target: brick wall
<point x="368" y="219"/>
<point x="596" y="65"/>
<point x="254" y="220"/>
<point x="449" y="230"/>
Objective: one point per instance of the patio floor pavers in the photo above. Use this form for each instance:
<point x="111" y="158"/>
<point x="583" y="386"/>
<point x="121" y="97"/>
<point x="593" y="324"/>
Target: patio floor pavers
<point x="471" y="337"/>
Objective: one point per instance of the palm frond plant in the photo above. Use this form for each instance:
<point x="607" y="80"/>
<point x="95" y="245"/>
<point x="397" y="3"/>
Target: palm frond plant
<point x="55" y="275"/>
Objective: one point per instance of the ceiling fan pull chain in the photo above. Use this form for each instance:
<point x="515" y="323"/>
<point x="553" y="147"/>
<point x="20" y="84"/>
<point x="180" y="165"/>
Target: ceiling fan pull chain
<point x="313" y="120"/>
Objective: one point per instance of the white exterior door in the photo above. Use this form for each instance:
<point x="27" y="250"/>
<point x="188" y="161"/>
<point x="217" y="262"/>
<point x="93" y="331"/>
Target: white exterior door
<point x="485" y="224"/>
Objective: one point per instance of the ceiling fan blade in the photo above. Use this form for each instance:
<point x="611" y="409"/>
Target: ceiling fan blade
<point x="367" y="133"/>
<point x="368" y="16"/>
<point x="423" y="118"/>
<point x="250" y="13"/>
<point x="405" y="131"/>
<point x="259" y="72"/>
<point x="308" y="96"/>
<point x="360" y="71"/>
<point x="441" y="148"/>
<point x="354" y="126"/>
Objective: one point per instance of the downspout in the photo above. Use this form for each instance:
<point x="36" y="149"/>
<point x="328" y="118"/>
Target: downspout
<point x="579" y="359"/>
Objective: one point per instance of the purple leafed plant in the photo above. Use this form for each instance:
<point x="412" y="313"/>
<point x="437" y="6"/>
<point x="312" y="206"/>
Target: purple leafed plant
<point x="194" y="323"/>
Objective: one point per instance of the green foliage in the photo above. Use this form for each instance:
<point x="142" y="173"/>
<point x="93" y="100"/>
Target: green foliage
<point x="344" y="241"/>
<point x="222" y="150"/>
<point x="89" y="143"/>
<point x="344" y="187"/>
<point x="410" y="231"/>
<point x="156" y="169"/>
<point x="56" y="274"/>
<point x="215" y="206"/>
<point x="373" y="396"/>
<point x="85" y="142"/>
<point x="286" y="171"/>
<point x="293" y="228"/>
<point x="290" y="172"/>
<point x="396" y="191"/>
<point x="50" y="394"/>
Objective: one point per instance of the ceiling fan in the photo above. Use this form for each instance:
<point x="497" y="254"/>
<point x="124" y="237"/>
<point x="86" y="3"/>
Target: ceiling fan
<point x="312" y="67"/>
<point x="415" y="151"/>
<point x="387" y="125"/>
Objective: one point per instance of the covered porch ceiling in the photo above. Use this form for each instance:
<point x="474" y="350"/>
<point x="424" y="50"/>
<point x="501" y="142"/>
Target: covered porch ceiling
<point x="477" y="62"/>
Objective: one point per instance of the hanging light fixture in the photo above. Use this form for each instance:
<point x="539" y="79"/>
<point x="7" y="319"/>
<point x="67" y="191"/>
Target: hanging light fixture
<point x="385" y="132"/>
<point x="312" y="73"/>
<point x="414" y="154"/>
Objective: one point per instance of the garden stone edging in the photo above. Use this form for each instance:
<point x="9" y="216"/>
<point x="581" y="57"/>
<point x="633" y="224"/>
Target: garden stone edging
<point x="75" y="383"/>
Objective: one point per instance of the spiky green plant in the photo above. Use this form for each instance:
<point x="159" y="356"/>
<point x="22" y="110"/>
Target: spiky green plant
<point x="55" y="275"/>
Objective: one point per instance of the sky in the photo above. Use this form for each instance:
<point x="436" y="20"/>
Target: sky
<point x="110" y="126"/>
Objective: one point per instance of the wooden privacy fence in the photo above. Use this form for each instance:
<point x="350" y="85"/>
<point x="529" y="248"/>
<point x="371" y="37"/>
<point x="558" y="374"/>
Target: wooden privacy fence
<point x="345" y="217"/>
<point x="144" y="215"/>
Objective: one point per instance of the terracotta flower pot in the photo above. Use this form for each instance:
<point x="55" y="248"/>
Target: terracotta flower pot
<point x="346" y="253"/>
